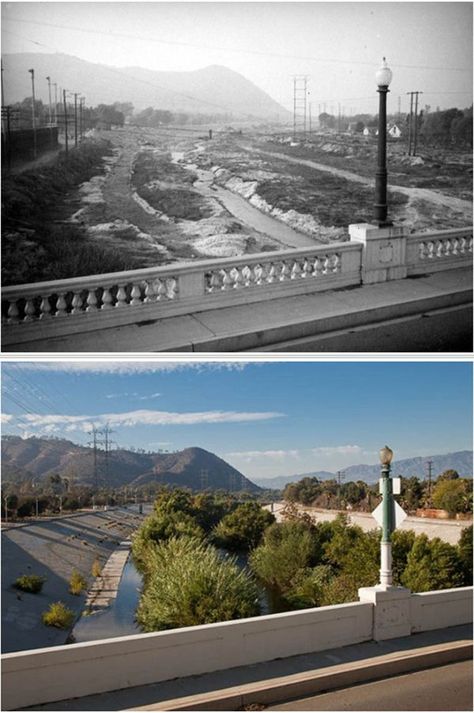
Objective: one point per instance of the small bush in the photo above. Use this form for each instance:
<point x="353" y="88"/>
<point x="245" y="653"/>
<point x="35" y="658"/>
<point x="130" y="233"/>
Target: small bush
<point x="77" y="583"/>
<point x="32" y="583"/>
<point x="58" y="615"/>
<point x="96" y="568"/>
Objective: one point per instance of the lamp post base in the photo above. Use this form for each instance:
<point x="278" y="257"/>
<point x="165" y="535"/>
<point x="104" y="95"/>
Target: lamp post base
<point x="391" y="610"/>
<point x="384" y="251"/>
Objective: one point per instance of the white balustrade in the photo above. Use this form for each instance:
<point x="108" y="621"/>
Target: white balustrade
<point x="100" y="301"/>
<point x="441" y="250"/>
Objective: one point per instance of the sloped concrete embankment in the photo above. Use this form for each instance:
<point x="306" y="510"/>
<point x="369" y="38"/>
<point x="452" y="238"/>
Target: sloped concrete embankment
<point x="52" y="549"/>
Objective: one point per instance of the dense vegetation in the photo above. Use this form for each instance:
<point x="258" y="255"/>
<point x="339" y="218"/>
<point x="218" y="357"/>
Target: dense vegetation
<point x="189" y="580"/>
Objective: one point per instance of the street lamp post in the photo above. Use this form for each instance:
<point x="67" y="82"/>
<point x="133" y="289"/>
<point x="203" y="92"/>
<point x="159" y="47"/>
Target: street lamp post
<point x="383" y="77"/>
<point x="388" y="524"/>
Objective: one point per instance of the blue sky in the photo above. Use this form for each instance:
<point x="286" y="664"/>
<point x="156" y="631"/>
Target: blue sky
<point x="265" y="418"/>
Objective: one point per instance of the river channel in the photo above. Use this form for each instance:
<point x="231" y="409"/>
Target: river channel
<point x="119" y="618"/>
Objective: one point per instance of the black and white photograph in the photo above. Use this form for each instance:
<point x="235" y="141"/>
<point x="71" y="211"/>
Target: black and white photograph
<point x="227" y="177"/>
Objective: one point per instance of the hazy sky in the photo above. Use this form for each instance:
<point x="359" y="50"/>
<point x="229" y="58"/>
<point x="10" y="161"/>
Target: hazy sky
<point x="266" y="419"/>
<point x="338" y="44"/>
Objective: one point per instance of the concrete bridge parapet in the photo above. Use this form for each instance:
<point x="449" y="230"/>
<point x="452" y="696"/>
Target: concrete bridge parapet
<point x="53" y="674"/>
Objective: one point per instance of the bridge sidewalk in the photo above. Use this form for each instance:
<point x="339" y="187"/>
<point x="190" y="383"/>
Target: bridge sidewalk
<point x="283" y="679"/>
<point x="366" y="318"/>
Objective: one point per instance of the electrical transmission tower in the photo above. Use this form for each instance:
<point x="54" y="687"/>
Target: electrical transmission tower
<point x="413" y="124"/>
<point x="429" y="465"/>
<point x="204" y="479"/>
<point x="101" y="446"/>
<point x="300" y="94"/>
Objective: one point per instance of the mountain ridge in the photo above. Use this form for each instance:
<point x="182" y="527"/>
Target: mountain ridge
<point x="212" y="89"/>
<point x="458" y="460"/>
<point x="192" y="467"/>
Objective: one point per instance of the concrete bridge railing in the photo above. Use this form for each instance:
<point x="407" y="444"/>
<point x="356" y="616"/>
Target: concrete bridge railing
<point x="83" y="304"/>
<point x="52" y="674"/>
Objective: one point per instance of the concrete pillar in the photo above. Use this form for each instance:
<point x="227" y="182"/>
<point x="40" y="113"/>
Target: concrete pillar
<point x="391" y="610"/>
<point x="384" y="253"/>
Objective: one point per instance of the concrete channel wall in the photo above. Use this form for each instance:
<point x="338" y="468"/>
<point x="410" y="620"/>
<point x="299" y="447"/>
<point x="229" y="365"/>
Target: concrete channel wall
<point x="46" y="675"/>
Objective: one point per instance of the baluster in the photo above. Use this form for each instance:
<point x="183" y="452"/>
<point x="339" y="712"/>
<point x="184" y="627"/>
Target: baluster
<point x="161" y="290"/>
<point x="214" y="282"/>
<point x="30" y="310"/>
<point x="318" y="267"/>
<point x="469" y="245"/>
<point x="121" y="297"/>
<point x="91" y="301"/>
<point x="258" y="273"/>
<point x="172" y="288"/>
<point x="247" y="276"/>
<point x="45" y="308"/>
<point x="447" y="247"/>
<point x="271" y="274"/>
<point x="439" y="248"/>
<point x="107" y="299"/>
<point x="423" y="251"/>
<point x="76" y="303"/>
<point x="431" y="249"/>
<point x="307" y="268"/>
<point x="295" y="271"/>
<point x="455" y="244"/>
<point x="326" y="265"/>
<point x="227" y="281"/>
<point x="336" y="263"/>
<point x="136" y="295"/>
<point x="61" y="306"/>
<point x="236" y="278"/>
<point x="13" y="313"/>
<point x="284" y="272"/>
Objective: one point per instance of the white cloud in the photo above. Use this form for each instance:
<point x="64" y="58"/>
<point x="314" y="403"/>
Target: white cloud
<point x="336" y="450"/>
<point x="59" y="422"/>
<point x="126" y="367"/>
<point x="298" y="453"/>
<point x="251" y="455"/>
<point x="6" y="418"/>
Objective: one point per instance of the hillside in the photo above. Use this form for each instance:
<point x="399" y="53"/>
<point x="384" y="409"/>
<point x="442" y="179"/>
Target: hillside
<point x="460" y="461"/>
<point x="192" y="467"/>
<point x="211" y="90"/>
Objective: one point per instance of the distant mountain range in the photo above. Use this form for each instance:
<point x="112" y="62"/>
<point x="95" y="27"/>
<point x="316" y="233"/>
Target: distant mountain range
<point x="195" y="468"/>
<point x="211" y="90"/>
<point x="460" y="461"/>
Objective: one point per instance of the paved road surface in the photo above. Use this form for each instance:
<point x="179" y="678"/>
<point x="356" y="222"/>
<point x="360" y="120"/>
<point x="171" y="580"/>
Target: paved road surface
<point x="446" y="688"/>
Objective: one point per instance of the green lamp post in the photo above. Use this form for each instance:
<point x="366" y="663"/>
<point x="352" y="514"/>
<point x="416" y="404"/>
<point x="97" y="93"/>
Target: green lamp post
<point x="388" y="517"/>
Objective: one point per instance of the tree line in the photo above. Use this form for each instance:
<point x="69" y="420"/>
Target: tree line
<point x="446" y="492"/>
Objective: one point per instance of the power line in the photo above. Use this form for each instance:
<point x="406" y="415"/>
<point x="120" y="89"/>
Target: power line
<point x="158" y="40"/>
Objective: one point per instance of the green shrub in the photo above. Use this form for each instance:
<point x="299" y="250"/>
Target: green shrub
<point x="431" y="565"/>
<point x="189" y="584"/>
<point x="96" y="568"/>
<point x="58" y="615"/>
<point x="32" y="583"/>
<point x="77" y="583"/>
<point x="287" y="550"/>
<point x="242" y="530"/>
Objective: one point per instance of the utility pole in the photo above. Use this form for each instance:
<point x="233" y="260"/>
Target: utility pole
<point x="81" y="99"/>
<point x="65" y="120"/>
<point x="310" y="117"/>
<point x="50" y="113"/>
<point x="55" y="103"/>
<point x="340" y="477"/>
<point x="75" y="120"/>
<point x="338" y="118"/>
<point x="413" y="124"/>
<point x="430" y="466"/>
<point x="33" y="117"/>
